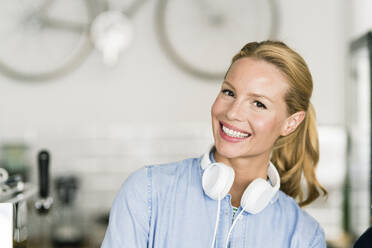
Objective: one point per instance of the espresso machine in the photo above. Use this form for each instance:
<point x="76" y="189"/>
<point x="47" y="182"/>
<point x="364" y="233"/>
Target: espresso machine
<point x="15" y="194"/>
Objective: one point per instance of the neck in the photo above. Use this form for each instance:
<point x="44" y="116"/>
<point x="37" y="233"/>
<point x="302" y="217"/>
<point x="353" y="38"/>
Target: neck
<point x="246" y="170"/>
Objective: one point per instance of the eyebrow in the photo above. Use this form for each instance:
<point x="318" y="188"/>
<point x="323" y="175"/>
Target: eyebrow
<point x="250" y="94"/>
<point x="226" y="82"/>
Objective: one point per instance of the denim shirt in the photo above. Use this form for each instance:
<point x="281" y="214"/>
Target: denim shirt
<point x="164" y="206"/>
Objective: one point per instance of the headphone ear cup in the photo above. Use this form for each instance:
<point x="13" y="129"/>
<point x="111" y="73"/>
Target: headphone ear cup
<point x="256" y="196"/>
<point x="217" y="180"/>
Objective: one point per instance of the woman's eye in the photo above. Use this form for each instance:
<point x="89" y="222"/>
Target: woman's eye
<point x="259" y="104"/>
<point x="228" y="92"/>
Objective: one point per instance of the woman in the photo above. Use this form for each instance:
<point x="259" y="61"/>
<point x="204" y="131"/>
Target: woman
<point x="263" y="126"/>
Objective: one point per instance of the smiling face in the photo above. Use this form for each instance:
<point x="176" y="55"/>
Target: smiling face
<point x="250" y="112"/>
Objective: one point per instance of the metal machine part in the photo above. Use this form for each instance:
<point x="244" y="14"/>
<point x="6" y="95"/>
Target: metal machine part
<point x="14" y="191"/>
<point x="44" y="203"/>
<point x="68" y="229"/>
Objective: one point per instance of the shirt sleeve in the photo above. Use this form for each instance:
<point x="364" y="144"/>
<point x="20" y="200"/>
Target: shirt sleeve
<point x="318" y="239"/>
<point x="130" y="214"/>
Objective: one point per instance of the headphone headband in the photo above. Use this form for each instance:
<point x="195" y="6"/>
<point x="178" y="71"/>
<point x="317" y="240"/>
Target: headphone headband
<point x="272" y="172"/>
<point x="205" y="161"/>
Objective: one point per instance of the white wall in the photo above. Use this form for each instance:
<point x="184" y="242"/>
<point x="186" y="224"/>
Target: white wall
<point x="318" y="31"/>
<point x="361" y="17"/>
<point x="146" y="87"/>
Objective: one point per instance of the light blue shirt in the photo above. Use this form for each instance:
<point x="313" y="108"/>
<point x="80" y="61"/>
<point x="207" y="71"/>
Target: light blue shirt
<point x="164" y="206"/>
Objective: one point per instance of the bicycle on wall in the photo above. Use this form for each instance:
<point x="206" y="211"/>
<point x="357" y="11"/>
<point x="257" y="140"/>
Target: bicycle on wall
<point x="45" y="39"/>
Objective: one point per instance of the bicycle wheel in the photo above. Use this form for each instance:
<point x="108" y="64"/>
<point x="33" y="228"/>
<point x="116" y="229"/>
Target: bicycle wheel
<point x="43" y="39"/>
<point x="201" y="36"/>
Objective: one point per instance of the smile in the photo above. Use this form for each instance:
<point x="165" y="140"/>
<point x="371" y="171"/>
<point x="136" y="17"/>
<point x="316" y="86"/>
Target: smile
<point x="230" y="132"/>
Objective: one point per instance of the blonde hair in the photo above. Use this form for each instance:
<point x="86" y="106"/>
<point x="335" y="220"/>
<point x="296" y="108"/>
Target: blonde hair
<point x="297" y="154"/>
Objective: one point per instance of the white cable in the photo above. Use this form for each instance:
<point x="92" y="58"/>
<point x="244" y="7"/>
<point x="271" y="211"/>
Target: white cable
<point x="232" y="226"/>
<point x="217" y="220"/>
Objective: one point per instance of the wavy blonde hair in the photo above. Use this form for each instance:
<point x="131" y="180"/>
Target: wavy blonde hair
<point x="296" y="155"/>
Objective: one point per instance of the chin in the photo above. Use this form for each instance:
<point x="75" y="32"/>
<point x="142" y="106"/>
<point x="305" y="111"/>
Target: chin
<point x="228" y="151"/>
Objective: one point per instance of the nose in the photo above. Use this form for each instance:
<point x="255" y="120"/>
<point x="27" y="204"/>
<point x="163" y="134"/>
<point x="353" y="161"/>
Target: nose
<point x="236" y="111"/>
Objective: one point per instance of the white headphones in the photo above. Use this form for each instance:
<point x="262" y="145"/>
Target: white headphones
<point x="218" y="179"/>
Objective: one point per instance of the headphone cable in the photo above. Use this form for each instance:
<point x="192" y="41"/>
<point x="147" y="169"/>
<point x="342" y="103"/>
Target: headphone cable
<point x="235" y="221"/>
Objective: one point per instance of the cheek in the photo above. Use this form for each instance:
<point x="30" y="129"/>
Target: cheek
<point x="268" y="125"/>
<point x="214" y="114"/>
<point x="216" y="107"/>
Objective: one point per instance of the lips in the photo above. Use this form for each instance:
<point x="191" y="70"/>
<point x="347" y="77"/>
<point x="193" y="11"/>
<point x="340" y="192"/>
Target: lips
<point x="233" y="134"/>
<point x="233" y="128"/>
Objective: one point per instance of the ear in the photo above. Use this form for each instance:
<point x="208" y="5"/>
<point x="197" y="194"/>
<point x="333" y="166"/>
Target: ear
<point x="292" y="122"/>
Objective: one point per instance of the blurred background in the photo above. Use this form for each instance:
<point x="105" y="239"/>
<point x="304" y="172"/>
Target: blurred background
<point x="107" y="87"/>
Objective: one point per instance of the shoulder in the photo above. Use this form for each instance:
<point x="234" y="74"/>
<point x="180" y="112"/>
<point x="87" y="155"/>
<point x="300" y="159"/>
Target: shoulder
<point x="365" y="240"/>
<point x="173" y="168"/>
<point x="171" y="174"/>
<point x="305" y="229"/>
<point x="159" y="174"/>
<point x="161" y="170"/>
<point x="134" y="186"/>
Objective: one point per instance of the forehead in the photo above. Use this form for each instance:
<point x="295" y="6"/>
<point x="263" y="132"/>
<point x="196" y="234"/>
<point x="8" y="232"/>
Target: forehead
<point x="258" y="77"/>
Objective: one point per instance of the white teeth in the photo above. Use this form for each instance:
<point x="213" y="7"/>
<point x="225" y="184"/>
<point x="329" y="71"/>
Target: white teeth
<point x="233" y="133"/>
